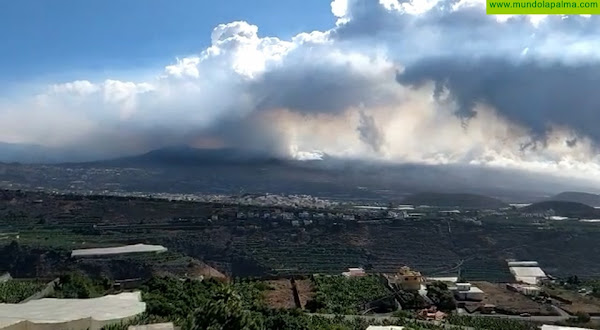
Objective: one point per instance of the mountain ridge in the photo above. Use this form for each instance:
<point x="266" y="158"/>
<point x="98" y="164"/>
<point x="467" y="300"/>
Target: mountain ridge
<point x="461" y="200"/>
<point x="579" y="197"/>
<point x="563" y="208"/>
<point x="228" y="170"/>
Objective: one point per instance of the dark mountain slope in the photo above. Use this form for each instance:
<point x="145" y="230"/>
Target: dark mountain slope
<point x="183" y="169"/>
<point x="578" y="197"/>
<point x="187" y="156"/>
<point x="471" y="201"/>
<point x="562" y="208"/>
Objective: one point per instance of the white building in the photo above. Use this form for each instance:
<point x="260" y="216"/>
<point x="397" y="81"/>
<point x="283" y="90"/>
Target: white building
<point x="155" y="326"/>
<point x="523" y="264"/>
<point x="560" y="327"/>
<point x="526" y="289"/>
<point x="466" y="291"/>
<point x="136" y="248"/>
<point x="354" y="272"/>
<point x="72" y="314"/>
<point x="528" y="275"/>
<point x="446" y="279"/>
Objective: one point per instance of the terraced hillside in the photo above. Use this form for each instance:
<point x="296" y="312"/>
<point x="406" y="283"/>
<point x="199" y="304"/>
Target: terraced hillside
<point x="47" y="227"/>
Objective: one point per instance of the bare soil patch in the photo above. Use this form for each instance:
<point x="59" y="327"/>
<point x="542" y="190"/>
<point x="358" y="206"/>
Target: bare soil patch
<point x="579" y="302"/>
<point x="280" y="295"/>
<point x="510" y="302"/>
<point x="305" y="291"/>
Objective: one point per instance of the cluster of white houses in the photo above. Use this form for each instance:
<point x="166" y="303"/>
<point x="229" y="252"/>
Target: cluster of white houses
<point x="527" y="275"/>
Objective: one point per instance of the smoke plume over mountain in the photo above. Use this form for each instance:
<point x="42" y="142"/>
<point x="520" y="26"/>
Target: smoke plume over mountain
<point x="423" y="81"/>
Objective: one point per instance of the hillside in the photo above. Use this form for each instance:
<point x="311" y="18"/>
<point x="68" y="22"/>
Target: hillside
<point x="182" y="169"/>
<point x="49" y="226"/>
<point x="470" y="201"/>
<point x="187" y="156"/>
<point x="562" y="208"/>
<point x="578" y="197"/>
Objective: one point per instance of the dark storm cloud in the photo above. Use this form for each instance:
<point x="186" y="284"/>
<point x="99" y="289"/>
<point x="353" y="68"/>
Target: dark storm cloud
<point x="318" y="88"/>
<point x="369" y="132"/>
<point x="530" y="93"/>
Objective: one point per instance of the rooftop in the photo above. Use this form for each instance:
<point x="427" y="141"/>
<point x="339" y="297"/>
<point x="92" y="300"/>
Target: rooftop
<point x="156" y="326"/>
<point x="527" y="271"/>
<point x="559" y="327"/>
<point x="406" y="271"/>
<point x="137" y="248"/>
<point x="52" y="310"/>
<point x="443" y="279"/>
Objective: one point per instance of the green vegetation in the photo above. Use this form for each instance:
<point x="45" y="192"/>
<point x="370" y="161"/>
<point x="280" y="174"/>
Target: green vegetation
<point x="256" y="248"/>
<point x="342" y="295"/>
<point x="76" y="285"/>
<point x="490" y="323"/>
<point x="211" y="304"/>
<point x="225" y="310"/>
<point x="441" y="296"/>
<point x="175" y="299"/>
<point x="289" y="319"/>
<point x="410" y="300"/>
<point x="15" y="291"/>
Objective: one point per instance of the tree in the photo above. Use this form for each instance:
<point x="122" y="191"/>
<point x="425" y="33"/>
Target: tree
<point x="582" y="317"/>
<point x="410" y="300"/>
<point x="287" y="319"/>
<point x="573" y="280"/>
<point x="440" y="296"/>
<point x="225" y="312"/>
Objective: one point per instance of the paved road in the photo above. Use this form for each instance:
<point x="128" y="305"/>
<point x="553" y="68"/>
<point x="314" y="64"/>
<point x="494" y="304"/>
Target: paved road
<point x="382" y="317"/>
<point x="563" y="315"/>
<point x="536" y="318"/>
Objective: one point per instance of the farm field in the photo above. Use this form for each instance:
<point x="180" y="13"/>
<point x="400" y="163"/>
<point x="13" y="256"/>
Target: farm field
<point x="305" y="291"/>
<point x="580" y="303"/>
<point x="343" y="295"/>
<point x="52" y="225"/>
<point x="15" y="291"/>
<point x="510" y="302"/>
<point x="279" y="294"/>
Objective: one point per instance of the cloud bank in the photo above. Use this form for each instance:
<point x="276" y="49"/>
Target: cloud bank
<point x="425" y="81"/>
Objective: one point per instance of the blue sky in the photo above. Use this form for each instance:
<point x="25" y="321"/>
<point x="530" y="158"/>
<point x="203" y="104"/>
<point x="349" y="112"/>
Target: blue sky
<point x="59" y="39"/>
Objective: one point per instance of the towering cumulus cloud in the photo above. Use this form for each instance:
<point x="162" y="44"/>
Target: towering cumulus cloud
<point x="426" y="81"/>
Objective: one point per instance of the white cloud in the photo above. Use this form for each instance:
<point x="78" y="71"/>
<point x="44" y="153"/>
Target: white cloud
<point x="78" y="87"/>
<point x="186" y="67"/>
<point x="339" y="8"/>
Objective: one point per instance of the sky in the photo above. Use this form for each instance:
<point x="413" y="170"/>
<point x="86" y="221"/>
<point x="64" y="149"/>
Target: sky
<point x="421" y="81"/>
<point x="61" y="38"/>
